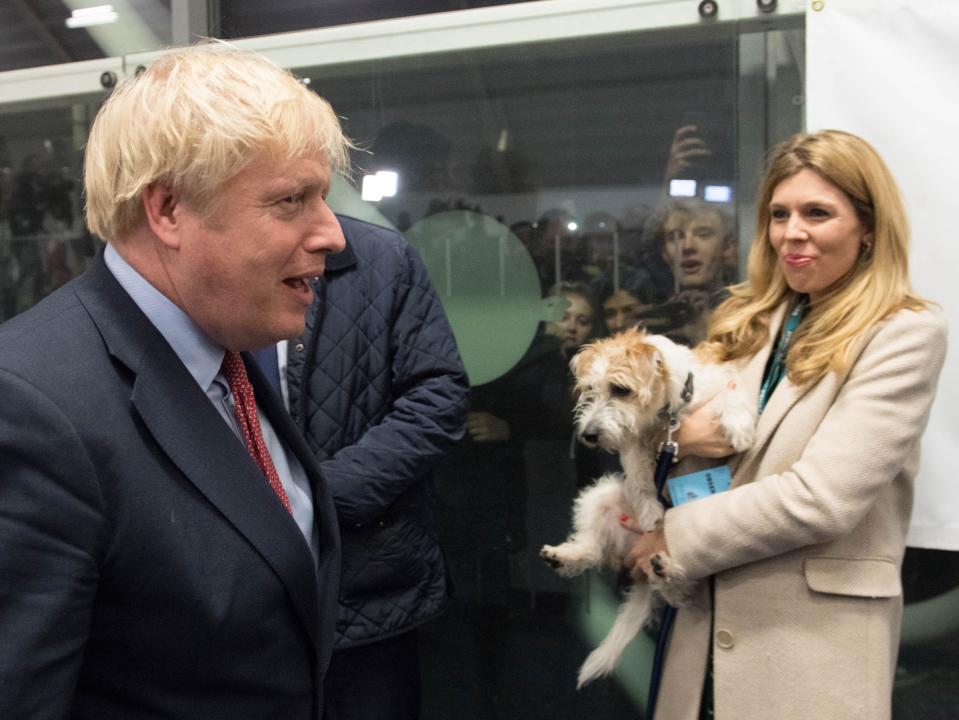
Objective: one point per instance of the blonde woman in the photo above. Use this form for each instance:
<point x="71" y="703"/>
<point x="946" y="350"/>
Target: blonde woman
<point x="800" y="604"/>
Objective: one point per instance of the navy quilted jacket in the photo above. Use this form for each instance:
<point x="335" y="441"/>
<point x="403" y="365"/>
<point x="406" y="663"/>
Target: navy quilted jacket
<point x="378" y="388"/>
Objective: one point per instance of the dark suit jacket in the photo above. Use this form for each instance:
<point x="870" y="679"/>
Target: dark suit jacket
<point x="147" y="569"/>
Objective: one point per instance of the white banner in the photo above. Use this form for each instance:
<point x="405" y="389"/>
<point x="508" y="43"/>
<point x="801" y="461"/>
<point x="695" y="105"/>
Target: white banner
<point x="888" y="70"/>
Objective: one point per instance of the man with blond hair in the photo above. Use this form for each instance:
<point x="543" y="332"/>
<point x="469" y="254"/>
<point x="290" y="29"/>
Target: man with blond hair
<point x="169" y="546"/>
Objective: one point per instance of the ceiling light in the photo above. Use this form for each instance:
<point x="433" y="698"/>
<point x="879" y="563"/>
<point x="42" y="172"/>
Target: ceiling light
<point x="388" y="180"/>
<point x="97" y="15"/>
<point x="717" y="193"/>
<point x="376" y="187"/>
<point x="370" y="189"/>
<point x="682" y="188"/>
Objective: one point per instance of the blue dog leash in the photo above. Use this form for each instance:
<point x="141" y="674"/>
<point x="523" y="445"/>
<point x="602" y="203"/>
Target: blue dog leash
<point x="665" y="459"/>
<point x="664" y="462"/>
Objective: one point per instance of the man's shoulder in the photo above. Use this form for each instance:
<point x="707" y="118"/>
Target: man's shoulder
<point x="43" y="330"/>
<point x="52" y="350"/>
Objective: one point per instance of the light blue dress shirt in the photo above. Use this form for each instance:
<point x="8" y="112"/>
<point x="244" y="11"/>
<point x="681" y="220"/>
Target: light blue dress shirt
<point x="203" y="358"/>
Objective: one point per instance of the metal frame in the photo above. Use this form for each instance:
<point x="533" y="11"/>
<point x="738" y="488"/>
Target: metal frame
<point x="421" y="35"/>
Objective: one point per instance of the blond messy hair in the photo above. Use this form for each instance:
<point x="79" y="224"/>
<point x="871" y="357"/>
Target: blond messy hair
<point x="193" y="120"/>
<point x="876" y="287"/>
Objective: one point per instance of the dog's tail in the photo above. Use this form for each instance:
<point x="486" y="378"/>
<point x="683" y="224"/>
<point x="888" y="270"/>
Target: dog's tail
<point x="630" y="618"/>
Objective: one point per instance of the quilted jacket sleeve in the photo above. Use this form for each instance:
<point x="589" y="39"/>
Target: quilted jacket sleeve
<point x="424" y="414"/>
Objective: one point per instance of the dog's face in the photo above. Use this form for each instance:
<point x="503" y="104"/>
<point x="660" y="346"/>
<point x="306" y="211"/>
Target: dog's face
<point x="620" y="388"/>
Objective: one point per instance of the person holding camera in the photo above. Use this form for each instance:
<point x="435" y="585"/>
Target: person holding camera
<point x="799" y="610"/>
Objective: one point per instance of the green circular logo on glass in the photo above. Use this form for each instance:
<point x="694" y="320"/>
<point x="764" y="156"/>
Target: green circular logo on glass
<point x="488" y="284"/>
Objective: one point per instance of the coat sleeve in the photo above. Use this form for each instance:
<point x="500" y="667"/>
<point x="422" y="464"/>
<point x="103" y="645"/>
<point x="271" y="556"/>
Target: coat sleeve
<point x="860" y="446"/>
<point x="426" y="417"/>
<point x="51" y="524"/>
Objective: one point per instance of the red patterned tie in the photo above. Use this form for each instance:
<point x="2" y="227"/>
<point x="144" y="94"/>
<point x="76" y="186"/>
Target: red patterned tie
<point x="250" y="424"/>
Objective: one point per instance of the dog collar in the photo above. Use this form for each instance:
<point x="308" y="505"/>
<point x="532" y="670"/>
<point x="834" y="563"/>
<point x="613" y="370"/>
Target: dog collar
<point x="670" y="415"/>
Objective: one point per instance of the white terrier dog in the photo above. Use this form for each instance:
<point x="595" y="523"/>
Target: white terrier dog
<point x="628" y="388"/>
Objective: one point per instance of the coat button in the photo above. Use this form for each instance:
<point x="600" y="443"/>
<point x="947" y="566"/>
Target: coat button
<point x="724" y="639"/>
<point x="298" y="347"/>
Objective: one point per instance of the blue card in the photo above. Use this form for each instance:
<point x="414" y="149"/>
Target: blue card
<point x="704" y="483"/>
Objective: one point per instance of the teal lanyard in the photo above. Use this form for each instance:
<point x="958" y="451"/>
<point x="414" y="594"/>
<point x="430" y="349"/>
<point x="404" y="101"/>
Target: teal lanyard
<point x="777" y="370"/>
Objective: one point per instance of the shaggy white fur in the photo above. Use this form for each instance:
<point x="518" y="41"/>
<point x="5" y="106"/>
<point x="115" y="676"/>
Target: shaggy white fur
<point x="626" y="387"/>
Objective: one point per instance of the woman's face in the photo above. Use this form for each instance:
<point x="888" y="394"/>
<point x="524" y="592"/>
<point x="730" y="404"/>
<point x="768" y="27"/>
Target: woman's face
<point x="576" y="324"/>
<point x="815" y="231"/>
<point x="620" y="311"/>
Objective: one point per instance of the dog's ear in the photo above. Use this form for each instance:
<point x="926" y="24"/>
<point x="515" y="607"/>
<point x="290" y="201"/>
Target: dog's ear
<point x="582" y="360"/>
<point x="675" y="364"/>
<point x="641" y="357"/>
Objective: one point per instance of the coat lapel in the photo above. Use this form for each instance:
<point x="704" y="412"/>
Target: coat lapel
<point x="780" y="402"/>
<point x="190" y="431"/>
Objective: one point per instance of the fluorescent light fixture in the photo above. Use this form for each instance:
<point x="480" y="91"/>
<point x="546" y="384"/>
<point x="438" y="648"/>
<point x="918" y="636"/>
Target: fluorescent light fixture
<point x="97" y="15"/>
<point x="376" y="187"/>
<point x="388" y="181"/>
<point x="682" y="188"/>
<point x="717" y="193"/>
<point x="370" y="190"/>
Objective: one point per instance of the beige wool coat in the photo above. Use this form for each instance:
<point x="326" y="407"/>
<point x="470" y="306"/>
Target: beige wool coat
<point x="806" y="546"/>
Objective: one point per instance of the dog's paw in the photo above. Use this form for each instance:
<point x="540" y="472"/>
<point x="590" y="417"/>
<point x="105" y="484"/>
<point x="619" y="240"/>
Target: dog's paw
<point x="738" y="419"/>
<point x="669" y="580"/>
<point x="567" y="559"/>
<point x="741" y="437"/>
<point x="665" y="569"/>
<point x="548" y="553"/>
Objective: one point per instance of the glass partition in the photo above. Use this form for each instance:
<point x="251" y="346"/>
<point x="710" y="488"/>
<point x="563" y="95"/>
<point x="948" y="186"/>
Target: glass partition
<point x="246" y="18"/>
<point x="559" y="191"/>
<point x="43" y="238"/>
<point x="49" y="32"/>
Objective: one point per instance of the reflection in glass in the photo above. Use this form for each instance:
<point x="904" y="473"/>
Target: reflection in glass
<point x="247" y="18"/>
<point x="553" y="161"/>
<point x="47" y="33"/>
<point x="43" y="240"/>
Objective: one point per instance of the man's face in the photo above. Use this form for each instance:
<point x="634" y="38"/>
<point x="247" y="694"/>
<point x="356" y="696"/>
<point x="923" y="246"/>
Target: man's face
<point x="693" y="247"/>
<point x="243" y="273"/>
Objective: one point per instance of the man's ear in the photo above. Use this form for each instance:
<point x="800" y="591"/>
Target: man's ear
<point x="161" y="205"/>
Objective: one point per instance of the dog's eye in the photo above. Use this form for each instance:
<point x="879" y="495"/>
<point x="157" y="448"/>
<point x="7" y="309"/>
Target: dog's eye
<point x="619" y="391"/>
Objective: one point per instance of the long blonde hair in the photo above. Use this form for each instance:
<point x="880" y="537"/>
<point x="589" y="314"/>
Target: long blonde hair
<point x="875" y="287"/>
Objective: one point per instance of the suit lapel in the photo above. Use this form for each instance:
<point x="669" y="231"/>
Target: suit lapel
<point x="324" y="513"/>
<point x="192" y="434"/>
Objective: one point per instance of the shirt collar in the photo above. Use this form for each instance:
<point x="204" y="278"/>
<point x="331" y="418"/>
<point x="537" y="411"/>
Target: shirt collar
<point x="196" y="350"/>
